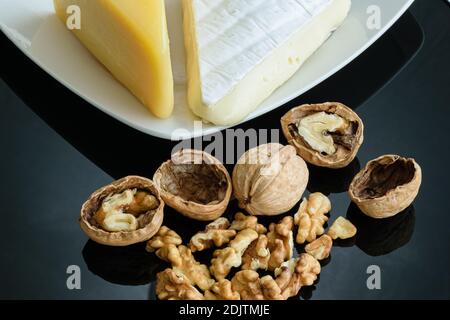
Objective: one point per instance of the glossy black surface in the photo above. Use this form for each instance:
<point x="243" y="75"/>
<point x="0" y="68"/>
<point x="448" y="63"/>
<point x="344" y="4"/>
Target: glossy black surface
<point x="56" y="149"/>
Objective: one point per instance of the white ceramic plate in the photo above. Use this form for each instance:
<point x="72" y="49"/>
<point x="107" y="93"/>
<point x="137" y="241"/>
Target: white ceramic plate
<point x="32" y="26"/>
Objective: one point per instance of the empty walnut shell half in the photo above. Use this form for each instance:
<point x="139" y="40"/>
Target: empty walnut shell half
<point x="148" y="222"/>
<point x="194" y="183"/>
<point x="326" y="135"/>
<point x="386" y="186"/>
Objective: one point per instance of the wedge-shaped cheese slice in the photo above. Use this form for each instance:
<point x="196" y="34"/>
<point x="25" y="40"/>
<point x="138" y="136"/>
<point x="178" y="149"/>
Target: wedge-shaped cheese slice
<point x="130" y="38"/>
<point x="240" y="51"/>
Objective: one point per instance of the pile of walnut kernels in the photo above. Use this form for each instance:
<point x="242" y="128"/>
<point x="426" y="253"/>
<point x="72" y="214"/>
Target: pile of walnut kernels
<point x="248" y="245"/>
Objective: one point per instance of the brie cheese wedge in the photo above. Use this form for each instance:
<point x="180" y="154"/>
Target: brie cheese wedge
<point x="240" y="51"/>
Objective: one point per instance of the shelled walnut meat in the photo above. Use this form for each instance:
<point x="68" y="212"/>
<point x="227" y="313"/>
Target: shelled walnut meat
<point x="227" y="258"/>
<point x="222" y="290"/>
<point x="326" y="135"/>
<point x="183" y="262"/>
<point x="127" y="211"/>
<point x="269" y="179"/>
<point x="163" y="238"/>
<point x="250" y="286"/>
<point x="280" y="242"/>
<point x="173" y="286"/>
<point x="342" y="229"/>
<point x="320" y="248"/>
<point x="386" y="186"/>
<point x="215" y="234"/>
<point x="311" y="217"/>
<point x="257" y="255"/>
<point x="242" y="221"/>
<point x="195" y="184"/>
<point x="296" y="273"/>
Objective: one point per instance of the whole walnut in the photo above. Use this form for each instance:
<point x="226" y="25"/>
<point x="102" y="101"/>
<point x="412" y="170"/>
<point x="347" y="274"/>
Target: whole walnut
<point x="269" y="179"/>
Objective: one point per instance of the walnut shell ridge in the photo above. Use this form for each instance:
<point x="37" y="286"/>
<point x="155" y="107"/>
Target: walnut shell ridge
<point x="269" y="179"/>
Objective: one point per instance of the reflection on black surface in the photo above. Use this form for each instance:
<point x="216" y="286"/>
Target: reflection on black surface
<point x="97" y="136"/>
<point x="345" y="243"/>
<point x="325" y="262"/>
<point x="329" y="181"/>
<point x="152" y="291"/>
<point x="130" y="265"/>
<point x="306" y="293"/>
<point x="378" y="237"/>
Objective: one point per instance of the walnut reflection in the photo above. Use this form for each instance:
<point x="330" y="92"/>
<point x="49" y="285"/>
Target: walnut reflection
<point x="378" y="237"/>
<point x="130" y="265"/>
<point x="329" y="181"/>
<point x="306" y="292"/>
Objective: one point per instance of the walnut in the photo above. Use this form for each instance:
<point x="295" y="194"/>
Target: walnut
<point x="164" y="237"/>
<point x="308" y="268"/>
<point x="316" y="130"/>
<point x="119" y="212"/>
<point x="320" y="248"/>
<point x="127" y="211"/>
<point x="142" y="202"/>
<point x="257" y="255"/>
<point x="120" y="223"/>
<point x="386" y="186"/>
<point x="280" y="242"/>
<point x="269" y="179"/>
<point x="174" y="286"/>
<point x="326" y="135"/>
<point x="311" y="216"/>
<point x="111" y="215"/>
<point x="251" y="287"/>
<point x="222" y="291"/>
<point x="231" y="256"/>
<point x="194" y="183"/>
<point x="247" y="283"/>
<point x="342" y="229"/>
<point x="270" y="289"/>
<point x="216" y="233"/>
<point x="241" y="222"/>
<point x="296" y="273"/>
<point x="183" y="262"/>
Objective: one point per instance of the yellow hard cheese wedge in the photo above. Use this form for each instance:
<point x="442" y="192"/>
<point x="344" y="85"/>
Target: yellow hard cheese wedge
<point x="130" y="38"/>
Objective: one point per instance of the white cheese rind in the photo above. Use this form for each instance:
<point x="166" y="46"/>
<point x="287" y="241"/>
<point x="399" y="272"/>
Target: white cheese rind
<point x="263" y="44"/>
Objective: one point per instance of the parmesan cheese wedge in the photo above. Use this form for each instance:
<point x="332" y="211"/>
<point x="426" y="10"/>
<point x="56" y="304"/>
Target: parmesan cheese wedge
<point x="130" y="38"/>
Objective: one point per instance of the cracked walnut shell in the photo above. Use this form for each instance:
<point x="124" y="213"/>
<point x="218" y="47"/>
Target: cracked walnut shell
<point x="326" y="135"/>
<point x="386" y="186"/>
<point x="145" y="213"/>
<point x="269" y="179"/>
<point x="194" y="183"/>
